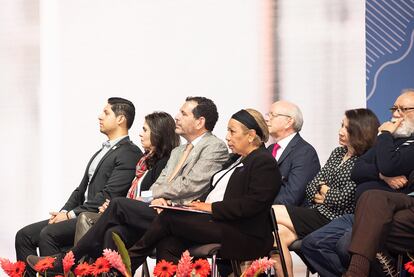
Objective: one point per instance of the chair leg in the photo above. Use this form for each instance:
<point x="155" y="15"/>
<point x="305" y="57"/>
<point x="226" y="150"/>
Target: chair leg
<point x="278" y="243"/>
<point x="400" y="265"/>
<point x="214" y="270"/>
<point x="235" y="265"/>
<point x="145" y="270"/>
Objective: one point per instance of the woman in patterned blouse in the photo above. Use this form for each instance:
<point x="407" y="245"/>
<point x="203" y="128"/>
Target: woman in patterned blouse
<point x="331" y="193"/>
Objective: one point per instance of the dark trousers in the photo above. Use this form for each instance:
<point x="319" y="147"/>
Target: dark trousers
<point x="383" y="220"/>
<point x="50" y="238"/>
<point x="127" y="217"/>
<point x="326" y="249"/>
<point x="172" y="232"/>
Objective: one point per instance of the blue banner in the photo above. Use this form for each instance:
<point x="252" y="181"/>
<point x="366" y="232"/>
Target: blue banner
<point x="389" y="32"/>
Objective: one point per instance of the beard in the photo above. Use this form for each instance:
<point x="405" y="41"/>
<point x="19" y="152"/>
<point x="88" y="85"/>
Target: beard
<point x="405" y="130"/>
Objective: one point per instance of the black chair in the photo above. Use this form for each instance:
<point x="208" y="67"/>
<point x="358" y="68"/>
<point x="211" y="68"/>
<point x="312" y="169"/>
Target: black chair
<point x="278" y="243"/>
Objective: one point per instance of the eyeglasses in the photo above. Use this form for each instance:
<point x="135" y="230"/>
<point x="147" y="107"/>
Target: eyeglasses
<point x="271" y="115"/>
<point x="401" y="110"/>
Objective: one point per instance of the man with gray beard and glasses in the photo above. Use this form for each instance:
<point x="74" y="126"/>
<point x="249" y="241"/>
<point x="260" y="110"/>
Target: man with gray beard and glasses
<point x="384" y="217"/>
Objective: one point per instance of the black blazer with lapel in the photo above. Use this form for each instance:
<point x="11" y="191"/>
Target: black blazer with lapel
<point x="153" y="174"/>
<point x="243" y="215"/>
<point x="112" y="178"/>
<point x="298" y="164"/>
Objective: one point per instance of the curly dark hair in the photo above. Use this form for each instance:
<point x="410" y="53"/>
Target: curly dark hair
<point x="162" y="136"/>
<point x="205" y="108"/>
<point x="362" y="129"/>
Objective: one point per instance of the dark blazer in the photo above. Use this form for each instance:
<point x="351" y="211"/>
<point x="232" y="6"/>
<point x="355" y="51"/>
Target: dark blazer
<point x="112" y="178"/>
<point x="390" y="157"/>
<point x="153" y="173"/>
<point x="243" y="215"/>
<point x="298" y="164"/>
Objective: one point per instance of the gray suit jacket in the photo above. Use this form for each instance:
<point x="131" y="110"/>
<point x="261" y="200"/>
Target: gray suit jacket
<point x="193" y="179"/>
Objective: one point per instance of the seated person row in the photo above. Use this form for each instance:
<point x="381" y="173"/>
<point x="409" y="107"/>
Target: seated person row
<point x="386" y="166"/>
<point x="331" y="193"/>
<point x="242" y="195"/>
<point x="108" y="174"/>
<point x="185" y="177"/>
<point x="158" y="138"/>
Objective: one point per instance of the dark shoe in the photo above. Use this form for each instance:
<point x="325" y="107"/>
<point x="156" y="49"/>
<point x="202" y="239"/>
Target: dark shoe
<point x="32" y="260"/>
<point x="387" y="264"/>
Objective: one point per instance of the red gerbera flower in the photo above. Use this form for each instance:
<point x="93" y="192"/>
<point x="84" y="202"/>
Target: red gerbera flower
<point x="101" y="265"/>
<point x="164" y="269"/>
<point x="82" y="269"/>
<point x="201" y="267"/>
<point x="409" y="267"/>
<point x="12" y="269"/>
<point x="44" y="264"/>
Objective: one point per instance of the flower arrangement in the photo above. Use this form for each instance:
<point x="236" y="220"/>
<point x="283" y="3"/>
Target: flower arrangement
<point x="258" y="267"/>
<point x="101" y="267"/>
<point x="409" y="266"/>
<point x="121" y="262"/>
<point x="185" y="268"/>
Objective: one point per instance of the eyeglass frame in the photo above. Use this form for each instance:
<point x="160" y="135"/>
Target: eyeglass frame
<point x="401" y="110"/>
<point x="271" y="115"/>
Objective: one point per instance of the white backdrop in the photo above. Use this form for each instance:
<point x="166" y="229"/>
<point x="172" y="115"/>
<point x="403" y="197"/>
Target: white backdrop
<point x="61" y="60"/>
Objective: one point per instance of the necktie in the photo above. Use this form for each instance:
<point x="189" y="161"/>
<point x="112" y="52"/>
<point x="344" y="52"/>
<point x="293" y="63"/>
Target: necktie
<point x="275" y="148"/>
<point x="184" y="157"/>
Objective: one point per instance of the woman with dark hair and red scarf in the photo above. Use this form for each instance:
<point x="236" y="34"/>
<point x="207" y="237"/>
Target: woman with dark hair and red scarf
<point x="158" y="138"/>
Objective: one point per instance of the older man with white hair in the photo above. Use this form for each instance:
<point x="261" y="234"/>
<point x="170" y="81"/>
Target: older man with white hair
<point x="297" y="160"/>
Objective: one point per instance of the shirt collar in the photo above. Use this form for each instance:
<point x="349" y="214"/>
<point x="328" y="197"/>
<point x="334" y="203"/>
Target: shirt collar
<point x="197" y="140"/>
<point x="285" y="141"/>
<point x="112" y="143"/>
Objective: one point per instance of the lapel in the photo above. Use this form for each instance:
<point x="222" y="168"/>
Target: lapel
<point x="196" y="149"/>
<point x="113" y="148"/>
<point x="289" y="148"/>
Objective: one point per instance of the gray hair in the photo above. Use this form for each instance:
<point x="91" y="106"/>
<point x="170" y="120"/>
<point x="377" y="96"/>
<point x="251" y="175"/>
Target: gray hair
<point x="297" y="115"/>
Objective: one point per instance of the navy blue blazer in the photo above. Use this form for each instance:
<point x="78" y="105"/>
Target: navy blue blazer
<point x="298" y="165"/>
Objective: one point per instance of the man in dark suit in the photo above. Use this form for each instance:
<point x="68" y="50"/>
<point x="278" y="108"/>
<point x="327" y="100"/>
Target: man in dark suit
<point x="108" y="174"/>
<point x="297" y="160"/>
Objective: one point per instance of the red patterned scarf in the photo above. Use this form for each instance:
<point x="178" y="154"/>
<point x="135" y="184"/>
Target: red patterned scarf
<point x="140" y="170"/>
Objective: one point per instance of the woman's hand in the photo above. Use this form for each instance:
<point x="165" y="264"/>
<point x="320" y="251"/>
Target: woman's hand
<point x="104" y="206"/>
<point x="201" y="206"/>
<point x="321" y="194"/>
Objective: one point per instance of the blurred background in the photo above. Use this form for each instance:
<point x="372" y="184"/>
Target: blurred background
<point x="61" y="60"/>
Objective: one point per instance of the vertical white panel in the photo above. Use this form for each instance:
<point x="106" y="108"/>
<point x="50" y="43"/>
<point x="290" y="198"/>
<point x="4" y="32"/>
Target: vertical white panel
<point x="321" y="54"/>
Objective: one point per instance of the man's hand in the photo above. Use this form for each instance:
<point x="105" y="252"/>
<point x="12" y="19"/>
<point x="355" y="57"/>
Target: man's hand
<point x="395" y="182"/>
<point x="390" y="126"/>
<point x="57" y="217"/>
<point x="201" y="206"/>
<point x="104" y="206"/>
<point x="160" y="202"/>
